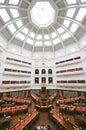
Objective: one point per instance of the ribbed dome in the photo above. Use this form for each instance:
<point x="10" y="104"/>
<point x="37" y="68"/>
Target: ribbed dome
<point x="21" y="22"/>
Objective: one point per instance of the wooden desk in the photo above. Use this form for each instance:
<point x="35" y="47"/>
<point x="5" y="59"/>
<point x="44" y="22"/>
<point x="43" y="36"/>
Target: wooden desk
<point x="65" y="125"/>
<point x="53" y="96"/>
<point x="76" y="108"/>
<point x="5" y="120"/>
<point x="34" y="96"/>
<point x="69" y="100"/>
<point x="80" y="120"/>
<point x="17" y="100"/>
<point x="16" y="108"/>
<point x="25" y="121"/>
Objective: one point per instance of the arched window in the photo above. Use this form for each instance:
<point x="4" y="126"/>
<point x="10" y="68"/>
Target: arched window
<point x="50" y="80"/>
<point x="43" y="71"/>
<point x="36" y="80"/>
<point x="50" y="71"/>
<point x="36" y="71"/>
<point x="43" y="80"/>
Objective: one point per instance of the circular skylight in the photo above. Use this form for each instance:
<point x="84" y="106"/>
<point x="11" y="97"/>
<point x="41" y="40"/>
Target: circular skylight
<point x="42" y="14"/>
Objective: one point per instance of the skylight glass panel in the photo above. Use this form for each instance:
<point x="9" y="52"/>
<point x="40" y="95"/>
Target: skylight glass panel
<point x="30" y="41"/>
<point x="46" y="37"/>
<point x="61" y="30"/>
<point x="56" y="41"/>
<point x="74" y="27"/>
<point x="2" y="1"/>
<point x="71" y="2"/>
<point x="70" y="12"/>
<point x="20" y="36"/>
<point x="39" y="37"/>
<point x="66" y="23"/>
<point x="53" y="35"/>
<point x="25" y="30"/>
<point x="83" y="1"/>
<point x="12" y="28"/>
<point x="42" y="14"/>
<point x="14" y="2"/>
<point x="47" y="43"/>
<point x="65" y="36"/>
<point x="38" y="43"/>
<point x="32" y="35"/>
<point x="4" y="15"/>
<point x="19" y="23"/>
<point x="14" y="13"/>
<point x="81" y="14"/>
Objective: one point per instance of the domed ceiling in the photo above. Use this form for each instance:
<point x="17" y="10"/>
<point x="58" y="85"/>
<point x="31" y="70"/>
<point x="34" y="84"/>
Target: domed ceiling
<point x="42" y="25"/>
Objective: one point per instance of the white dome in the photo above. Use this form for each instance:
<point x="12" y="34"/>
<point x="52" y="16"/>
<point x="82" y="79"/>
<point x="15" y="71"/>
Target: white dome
<point x="24" y="27"/>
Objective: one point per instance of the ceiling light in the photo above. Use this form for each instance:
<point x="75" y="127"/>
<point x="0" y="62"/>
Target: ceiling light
<point x="1" y="44"/>
<point x="58" y="54"/>
<point x="37" y="56"/>
<point x="12" y="28"/>
<point x="27" y="55"/>
<point x="14" y="13"/>
<point x="83" y="43"/>
<point x="49" y="56"/>
<point x="14" y="2"/>
<point x="70" y="12"/>
<point x="14" y="50"/>
<point x="4" y="15"/>
<point x="72" y="49"/>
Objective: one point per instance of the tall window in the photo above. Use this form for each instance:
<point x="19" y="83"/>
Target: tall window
<point x="36" y="80"/>
<point x="50" y="80"/>
<point x="43" y="80"/>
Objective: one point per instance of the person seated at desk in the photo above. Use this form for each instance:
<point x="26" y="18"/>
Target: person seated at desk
<point x="48" y="127"/>
<point x="7" y="129"/>
<point x="38" y="128"/>
<point x="43" y="127"/>
<point x="12" y="113"/>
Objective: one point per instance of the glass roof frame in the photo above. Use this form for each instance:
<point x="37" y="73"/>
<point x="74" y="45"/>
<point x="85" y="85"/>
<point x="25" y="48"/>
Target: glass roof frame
<point x="45" y="34"/>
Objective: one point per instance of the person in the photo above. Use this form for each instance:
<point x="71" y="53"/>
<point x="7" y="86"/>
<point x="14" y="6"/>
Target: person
<point x="80" y="128"/>
<point x="12" y="113"/>
<point x="38" y="128"/>
<point x="43" y="127"/>
<point x="7" y="128"/>
<point x="4" y="115"/>
<point x="48" y="127"/>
